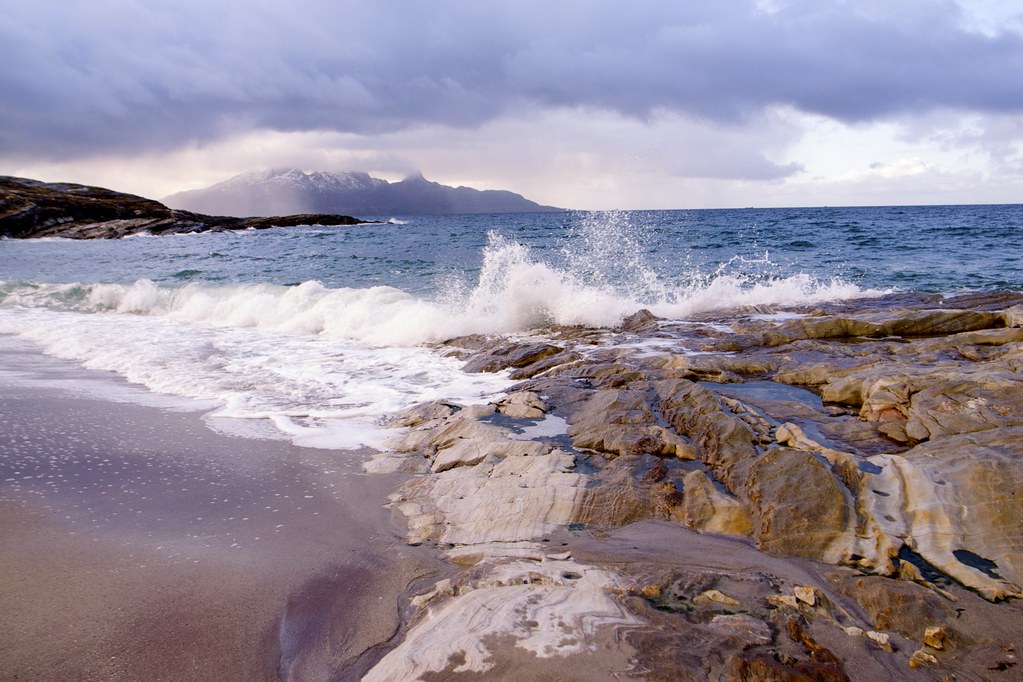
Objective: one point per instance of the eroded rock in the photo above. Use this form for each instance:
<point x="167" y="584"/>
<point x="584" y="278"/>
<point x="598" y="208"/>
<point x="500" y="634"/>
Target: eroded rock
<point x="896" y="605"/>
<point x="799" y="507"/>
<point x="511" y="355"/>
<point x="620" y="422"/>
<point x="705" y="508"/>
<point x="907" y="467"/>
<point x="524" y="497"/>
<point x="522" y="405"/>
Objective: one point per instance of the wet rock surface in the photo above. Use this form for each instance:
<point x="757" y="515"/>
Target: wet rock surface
<point x="826" y="494"/>
<point x="31" y="209"/>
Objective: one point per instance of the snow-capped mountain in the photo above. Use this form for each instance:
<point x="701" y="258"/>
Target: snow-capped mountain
<point x="290" y="191"/>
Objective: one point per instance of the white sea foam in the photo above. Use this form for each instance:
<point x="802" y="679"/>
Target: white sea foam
<point x="733" y="291"/>
<point x="607" y="279"/>
<point x="322" y="392"/>
<point x="600" y="281"/>
<point x="324" y="365"/>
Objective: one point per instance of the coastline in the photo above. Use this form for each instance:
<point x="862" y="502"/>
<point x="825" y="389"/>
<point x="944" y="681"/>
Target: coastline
<point x="823" y="492"/>
<point x="136" y="543"/>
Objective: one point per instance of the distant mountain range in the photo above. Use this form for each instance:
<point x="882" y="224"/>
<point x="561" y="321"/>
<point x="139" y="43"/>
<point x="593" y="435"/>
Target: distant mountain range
<point x="290" y="191"/>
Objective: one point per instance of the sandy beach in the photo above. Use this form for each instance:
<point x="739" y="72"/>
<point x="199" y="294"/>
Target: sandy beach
<point x="137" y="543"/>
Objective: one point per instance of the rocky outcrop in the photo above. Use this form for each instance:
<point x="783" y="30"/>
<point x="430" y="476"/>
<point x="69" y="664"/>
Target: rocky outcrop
<point x="799" y="506"/>
<point x="620" y="422"/>
<point x="875" y="445"/>
<point x="705" y="508"/>
<point x="31" y="209"/>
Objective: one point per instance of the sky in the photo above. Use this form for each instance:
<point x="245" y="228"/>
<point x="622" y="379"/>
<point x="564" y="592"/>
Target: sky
<point x="588" y="104"/>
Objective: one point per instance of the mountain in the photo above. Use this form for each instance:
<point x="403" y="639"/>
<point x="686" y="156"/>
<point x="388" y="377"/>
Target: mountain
<point x="287" y="191"/>
<point x="30" y="208"/>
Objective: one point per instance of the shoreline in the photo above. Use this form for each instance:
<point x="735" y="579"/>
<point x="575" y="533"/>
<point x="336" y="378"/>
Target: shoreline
<point x="136" y="543"/>
<point x="824" y="492"/>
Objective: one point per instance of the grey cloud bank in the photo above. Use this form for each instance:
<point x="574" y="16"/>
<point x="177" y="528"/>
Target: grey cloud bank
<point x="82" y="78"/>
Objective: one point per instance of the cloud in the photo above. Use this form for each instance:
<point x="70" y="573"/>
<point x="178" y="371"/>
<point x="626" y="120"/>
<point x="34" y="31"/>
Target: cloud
<point x="563" y="157"/>
<point x="105" y="76"/>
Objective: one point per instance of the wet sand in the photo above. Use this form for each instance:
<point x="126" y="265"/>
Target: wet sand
<point x="136" y="543"/>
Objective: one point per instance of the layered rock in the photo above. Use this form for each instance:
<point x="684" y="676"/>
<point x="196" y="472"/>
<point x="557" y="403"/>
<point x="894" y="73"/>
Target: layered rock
<point x="620" y="422"/>
<point x="800" y="508"/>
<point x="553" y="607"/>
<point x="705" y="508"/>
<point x="884" y="438"/>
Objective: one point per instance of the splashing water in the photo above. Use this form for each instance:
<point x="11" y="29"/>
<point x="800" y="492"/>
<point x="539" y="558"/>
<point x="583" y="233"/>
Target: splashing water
<point x="516" y="292"/>
<point x="608" y="252"/>
<point x="322" y="332"/>
<point x="608" y="267"/>
<point x="607" y="271"/>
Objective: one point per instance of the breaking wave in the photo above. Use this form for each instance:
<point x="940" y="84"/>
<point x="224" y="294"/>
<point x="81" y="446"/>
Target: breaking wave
<point x="514" y="292"/>
<point x="325" y="364"/>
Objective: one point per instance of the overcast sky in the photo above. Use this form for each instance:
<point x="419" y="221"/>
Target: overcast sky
<point x="591" y="104"/>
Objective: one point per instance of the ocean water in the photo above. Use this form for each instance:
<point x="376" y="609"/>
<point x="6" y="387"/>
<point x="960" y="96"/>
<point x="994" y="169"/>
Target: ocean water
<point x="317" y="334"/>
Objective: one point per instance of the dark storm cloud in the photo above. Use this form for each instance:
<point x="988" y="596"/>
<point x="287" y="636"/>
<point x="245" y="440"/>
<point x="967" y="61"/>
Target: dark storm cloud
<point x="118" y="75"/>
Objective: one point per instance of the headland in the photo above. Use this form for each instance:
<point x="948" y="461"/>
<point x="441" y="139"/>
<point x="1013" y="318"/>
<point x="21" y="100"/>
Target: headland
<point x="33" y="209"/>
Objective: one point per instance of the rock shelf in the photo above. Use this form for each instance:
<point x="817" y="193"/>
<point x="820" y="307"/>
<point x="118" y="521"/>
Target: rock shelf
<point x="828" y="493"/>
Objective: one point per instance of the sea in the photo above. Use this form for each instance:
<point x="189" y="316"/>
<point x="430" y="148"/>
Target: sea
<point x="317" y="335"/>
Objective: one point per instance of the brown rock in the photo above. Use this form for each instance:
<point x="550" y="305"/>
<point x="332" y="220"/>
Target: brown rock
<point x="934" y="637"/>
<point x="651" y="591"/>
<point x="960" y="500"/>
<point x="799" y="507"/>
<point x="707" y="509"/>
<point x="743" y="628"/>
<point x="511" y="354"/>
<point x="788" y="600"/>
<point x="641" y="320"/>
<point x="619" y="422"/>
<point x="882" y="323"/>
<point x="716" y="368"/>
<point x="895" y="605"/>
<point x="805" y="594"/>
<point x="964" y="404"/>
<point x="601" y="375"/>
<point x="819" y="655"/>
<point x="724" y="442"/>
<point x="882" y="639"/>
<point x="424" y="414"/>
<point x="617" y="498"/>
<point x="544" y="364"/>
<point x="760" y="667"/>
<point x="922" y="659"/>
<point x="709" y="597"/>
<point x="522" y="405"/>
